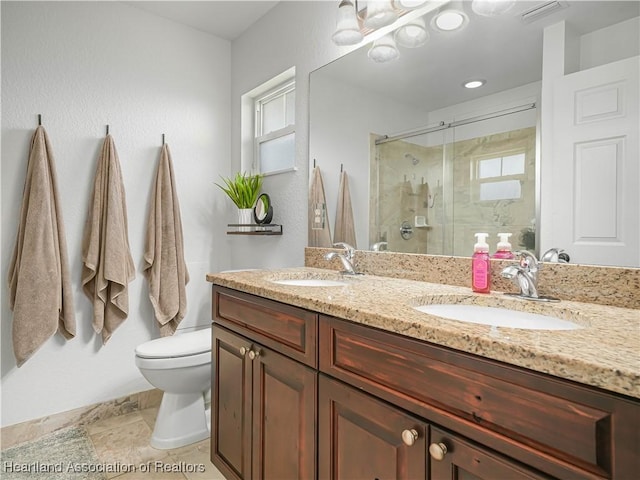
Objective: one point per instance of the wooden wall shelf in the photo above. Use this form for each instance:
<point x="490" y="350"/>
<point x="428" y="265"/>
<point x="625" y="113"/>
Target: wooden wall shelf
<point x="254" y="229"/>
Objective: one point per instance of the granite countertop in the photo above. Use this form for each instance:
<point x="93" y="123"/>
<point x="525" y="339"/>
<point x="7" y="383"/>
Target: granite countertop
<point x="604" y="353"/>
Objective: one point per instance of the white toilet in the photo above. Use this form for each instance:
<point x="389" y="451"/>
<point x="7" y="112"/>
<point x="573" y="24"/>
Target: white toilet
<point x="180" y="366"/>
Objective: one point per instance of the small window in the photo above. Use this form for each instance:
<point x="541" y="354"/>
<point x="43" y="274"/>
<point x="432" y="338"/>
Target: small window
<point x="275" y="129"/>
<point x="500" y="177"/>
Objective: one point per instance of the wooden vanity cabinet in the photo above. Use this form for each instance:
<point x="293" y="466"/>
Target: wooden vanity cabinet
<point x="263" y="405"/>
<point x="298" y="395"/>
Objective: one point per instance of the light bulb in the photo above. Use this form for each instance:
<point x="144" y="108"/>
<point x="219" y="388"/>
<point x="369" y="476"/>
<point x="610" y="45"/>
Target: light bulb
<point x="380" y="13"/>
<point x="491" y="8"/>
<point x="412" y="34"/>
<point x="384" y="50"/>
<point x="449" y="20"/>
<point x="347" y="28"/>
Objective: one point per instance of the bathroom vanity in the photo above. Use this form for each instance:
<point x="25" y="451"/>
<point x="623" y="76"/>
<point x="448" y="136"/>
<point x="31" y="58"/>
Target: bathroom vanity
<point x="352" y="382"/>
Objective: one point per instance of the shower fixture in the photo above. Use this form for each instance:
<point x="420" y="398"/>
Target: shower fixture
<point x="413" y="159"/>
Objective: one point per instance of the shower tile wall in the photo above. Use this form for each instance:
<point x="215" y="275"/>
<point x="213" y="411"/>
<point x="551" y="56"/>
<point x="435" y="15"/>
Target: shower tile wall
<point x="409" y="179"/>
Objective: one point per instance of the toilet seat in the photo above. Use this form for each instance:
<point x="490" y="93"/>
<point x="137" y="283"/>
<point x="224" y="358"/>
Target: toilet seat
<point x="178" y="351"/>
<point x="182" y="345"/>
<point x="173" y="362"/>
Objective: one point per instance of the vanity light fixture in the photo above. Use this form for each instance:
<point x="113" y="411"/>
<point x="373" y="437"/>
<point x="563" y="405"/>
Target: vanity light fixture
<point x="491" y="8"/>
<point x="412" y="34"/>
<point x="347" y="27"/>
<point x="474" y="83"/>
<point x="384" y="50"/>
<point x="380" y="13"/>
<point x="449" y="20"/>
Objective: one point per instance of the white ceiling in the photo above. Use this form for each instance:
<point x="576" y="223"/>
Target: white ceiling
<point x="224" y="19"/>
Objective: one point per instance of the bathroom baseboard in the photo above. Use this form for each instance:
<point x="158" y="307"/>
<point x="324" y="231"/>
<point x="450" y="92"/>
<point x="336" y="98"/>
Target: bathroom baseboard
<point x="33" y="429"/>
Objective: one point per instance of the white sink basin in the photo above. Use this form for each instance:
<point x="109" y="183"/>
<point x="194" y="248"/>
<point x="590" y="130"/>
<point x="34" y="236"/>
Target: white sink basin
<point x="498" y="317"/>
<point x="310" y="282"/>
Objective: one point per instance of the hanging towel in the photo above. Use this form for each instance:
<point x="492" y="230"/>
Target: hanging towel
<point x="107" y="264"/>
<point x="345" y="230"/>
<point x="39" y="282"/>
<point x="319" y="229"/>
<point x="165" y="268"/>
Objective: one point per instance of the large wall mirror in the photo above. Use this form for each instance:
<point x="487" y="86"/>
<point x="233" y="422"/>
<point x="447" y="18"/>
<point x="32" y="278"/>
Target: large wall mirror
<point x="431" y="162"/>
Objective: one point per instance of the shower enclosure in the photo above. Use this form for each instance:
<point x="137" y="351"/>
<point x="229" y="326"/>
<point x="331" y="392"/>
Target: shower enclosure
<point x="434" y="187"/>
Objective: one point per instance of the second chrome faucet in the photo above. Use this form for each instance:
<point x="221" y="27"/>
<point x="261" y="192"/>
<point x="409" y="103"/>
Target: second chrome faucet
<point x="525" y="275"/>
<point x="347" y="258"/>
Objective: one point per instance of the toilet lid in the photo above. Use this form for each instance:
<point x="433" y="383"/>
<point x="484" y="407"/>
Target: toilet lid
<point x="180" y="345"/>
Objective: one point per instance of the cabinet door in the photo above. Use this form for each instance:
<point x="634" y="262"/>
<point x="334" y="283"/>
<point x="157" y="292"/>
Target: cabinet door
<point x="363" y="438"/>
<point x="231" y="403"/>
<point x="284" y="413"/>
<point x="453" y="458"/>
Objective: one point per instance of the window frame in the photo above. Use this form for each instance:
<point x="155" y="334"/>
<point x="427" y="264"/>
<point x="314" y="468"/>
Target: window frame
<point x="259" y="138"/>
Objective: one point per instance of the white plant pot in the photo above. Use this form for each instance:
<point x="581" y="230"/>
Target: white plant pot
<point x="245" y="217"/>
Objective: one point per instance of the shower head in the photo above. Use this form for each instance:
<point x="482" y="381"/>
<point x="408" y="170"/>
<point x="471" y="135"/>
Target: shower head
<point x="413" y="159"/>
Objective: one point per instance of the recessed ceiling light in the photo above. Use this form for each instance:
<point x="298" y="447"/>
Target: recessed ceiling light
<point x="474" y="83"/>
<point x="449" y="20"/>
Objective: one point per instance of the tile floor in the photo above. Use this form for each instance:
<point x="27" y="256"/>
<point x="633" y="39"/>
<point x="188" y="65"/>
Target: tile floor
<point x="124" y="440"/>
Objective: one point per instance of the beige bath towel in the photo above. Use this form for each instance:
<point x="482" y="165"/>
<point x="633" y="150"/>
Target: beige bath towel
<point x="39" y="282"/>
<point x="319" y="229"/>
<point x="108" y="267"/>
<point x="345" y="230"/>
<point x="165" y="267"/>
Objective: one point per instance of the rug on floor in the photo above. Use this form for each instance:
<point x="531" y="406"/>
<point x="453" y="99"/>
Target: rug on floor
<point x="66" y="454"/>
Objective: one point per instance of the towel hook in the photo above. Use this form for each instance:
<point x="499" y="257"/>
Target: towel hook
<point x="314" y="163"/>
<point x="107" y="129"/>
<point x="163" y="138"/>
<point x="39" y="119"/>
<point x="341" y="166"/>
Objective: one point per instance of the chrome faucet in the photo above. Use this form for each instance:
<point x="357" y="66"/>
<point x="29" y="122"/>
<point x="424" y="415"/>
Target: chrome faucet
<point x="525" y="275"/>
<point x="555" y="255"/>
<point x="345" y="257"/>
<point x="379" y="246"/>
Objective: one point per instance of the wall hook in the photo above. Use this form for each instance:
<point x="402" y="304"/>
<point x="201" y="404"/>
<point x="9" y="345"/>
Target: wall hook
<point x="163" y="139"/>
<point x="341" y="167"/>
<point x="314" y="163"/>
<point x="107" y="129"/>
<point x="39" y="119"/>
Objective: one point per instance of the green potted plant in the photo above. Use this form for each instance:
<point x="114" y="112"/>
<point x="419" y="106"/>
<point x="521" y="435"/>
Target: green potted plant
<point x="243" y="190"/>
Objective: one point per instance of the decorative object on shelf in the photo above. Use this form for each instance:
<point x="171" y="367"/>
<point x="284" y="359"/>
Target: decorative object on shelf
<point x="243" y="190"/>
<point x="263" y="211"/>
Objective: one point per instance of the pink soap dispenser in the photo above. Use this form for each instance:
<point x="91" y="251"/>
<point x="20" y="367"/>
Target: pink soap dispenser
<point x="480" y="265"/>
<point x="504" y="247"/>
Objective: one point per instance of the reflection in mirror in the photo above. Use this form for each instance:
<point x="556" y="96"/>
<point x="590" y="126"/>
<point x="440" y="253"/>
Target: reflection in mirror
<point x="448" y="183"/>
<point x="452" y="182"/>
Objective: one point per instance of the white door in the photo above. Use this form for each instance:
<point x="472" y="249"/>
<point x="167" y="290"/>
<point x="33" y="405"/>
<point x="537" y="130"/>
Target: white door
<point x="595" y="171"/>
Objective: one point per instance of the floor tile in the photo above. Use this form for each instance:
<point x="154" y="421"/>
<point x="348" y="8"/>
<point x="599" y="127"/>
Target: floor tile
<point x="126" y="444"/>
<point x="202" y="468"/>
<point x="111" y="422"/>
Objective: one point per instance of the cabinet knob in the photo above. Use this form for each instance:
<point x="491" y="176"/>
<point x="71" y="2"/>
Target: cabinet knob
<point x="409" y="436"/>
<point x="253" y="354"/>
<point x="244" y="350"/>
<point x="437" y="451"/>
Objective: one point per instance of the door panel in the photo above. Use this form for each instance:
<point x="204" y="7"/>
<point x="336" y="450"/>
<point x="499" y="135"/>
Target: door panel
<point x="284" y="412"/>
<point x="465" y="461"/>
<point x="362" y="438"/>
<point x="230" y="404"/>
<point x="595" y="170"/>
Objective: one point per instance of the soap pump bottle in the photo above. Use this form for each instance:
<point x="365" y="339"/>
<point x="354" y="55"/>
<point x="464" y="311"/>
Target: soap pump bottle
<point x="504" y="247"/>
<point x="480" y="265"/>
